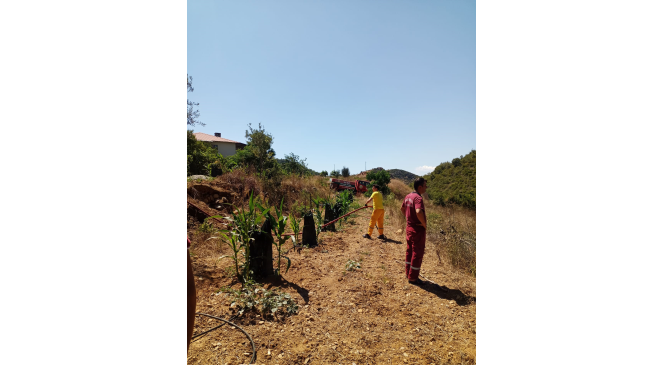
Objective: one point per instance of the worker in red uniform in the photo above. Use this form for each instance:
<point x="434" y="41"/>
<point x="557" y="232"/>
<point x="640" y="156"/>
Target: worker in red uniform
<point x="378" y="215"/>
<point x="416" y="230"/>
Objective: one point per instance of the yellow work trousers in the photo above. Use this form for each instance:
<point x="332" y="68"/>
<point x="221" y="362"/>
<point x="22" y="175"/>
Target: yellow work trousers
<point x="377" y="220"/>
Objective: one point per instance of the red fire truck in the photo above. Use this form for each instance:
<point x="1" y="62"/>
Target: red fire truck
<point x="357" y="185"/>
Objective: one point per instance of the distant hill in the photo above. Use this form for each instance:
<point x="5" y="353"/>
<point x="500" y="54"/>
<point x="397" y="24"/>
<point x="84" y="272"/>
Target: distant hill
<point x="402" y="175"/>
<point x="453" y="182"/>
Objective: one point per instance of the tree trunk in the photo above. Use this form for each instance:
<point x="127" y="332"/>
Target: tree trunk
<point x="260" y="249"/>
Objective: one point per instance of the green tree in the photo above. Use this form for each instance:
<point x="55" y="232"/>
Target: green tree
<point x="202" y="159"/>
<point x="345" y="172"/>
<point x="258" y="153"/>
<point x="380" y="178"/>
<point x="335" y="173"/>
<point x="323" y="173"/>
<point x="294" y="165"/>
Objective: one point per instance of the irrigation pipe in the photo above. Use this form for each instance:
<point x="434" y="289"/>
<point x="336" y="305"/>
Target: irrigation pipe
<point x="327" y="224"/>
<point x="253" y="346"/>
<point x="285" y="234"/>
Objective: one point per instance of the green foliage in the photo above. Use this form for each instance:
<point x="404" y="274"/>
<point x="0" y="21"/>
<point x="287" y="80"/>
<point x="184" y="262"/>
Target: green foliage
<point x="335" y="173"/>
<point x="278" y="227"/>
<point x="294" y="165"/>
<point x="319" y="206"/>
<point x="252" y="298"/>
<point x="323" y="173"/>
<point x="202" y="159"/>
<point x="352" y="265"/>
<point x="381" y="178"/>
<point x="342" y="205"/>
<point x="244" y="224"/>
<point x="295" y="226"/>
<point x="206" y="227"/>
<point x="454" y="183"/>
<point x="345" y="171"/>
<point x="257" y="154"/>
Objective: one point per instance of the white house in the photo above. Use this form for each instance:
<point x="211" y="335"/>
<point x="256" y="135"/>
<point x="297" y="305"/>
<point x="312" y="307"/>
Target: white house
<point x="224" y="146"/>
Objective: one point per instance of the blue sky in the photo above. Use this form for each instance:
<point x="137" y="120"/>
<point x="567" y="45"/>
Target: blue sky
<point x="389" y="83"/>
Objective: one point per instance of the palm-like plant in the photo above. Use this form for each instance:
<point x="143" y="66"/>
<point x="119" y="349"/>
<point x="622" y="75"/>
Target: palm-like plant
<point x="295" y="226"/>
<point x="244" y="225"/>
<point x="278" y="227"/>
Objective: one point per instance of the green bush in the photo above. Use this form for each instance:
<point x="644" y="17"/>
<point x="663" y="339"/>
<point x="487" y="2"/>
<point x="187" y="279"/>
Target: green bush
<point x="345" y="171"/>
<point x="380" y="178"/>
<point x="454" y="183"/>
<point x="294" y="165"/>
<point x="202" y="159"/>
<point x="323" y="173"/>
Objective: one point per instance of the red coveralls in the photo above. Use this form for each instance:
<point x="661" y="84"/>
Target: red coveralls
<point x="415" y="235"/>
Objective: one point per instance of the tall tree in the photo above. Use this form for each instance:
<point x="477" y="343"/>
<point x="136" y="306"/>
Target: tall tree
<point x="259" y="143"/>
<point x="192" y="115"/>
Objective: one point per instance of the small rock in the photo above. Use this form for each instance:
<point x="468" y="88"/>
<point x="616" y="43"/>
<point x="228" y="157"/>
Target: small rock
<point x="307" y="360"/>
<point x="399" y="231"/>
<point x="247" y="354"/>
<point x="405" y="354"/>
<point x="359" y="311"/>
<point x="261" y="322"/>
<point x="269" y="353"/>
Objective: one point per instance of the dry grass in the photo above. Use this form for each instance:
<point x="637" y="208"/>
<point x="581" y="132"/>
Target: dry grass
<point x="451" y="230"/>
<point x="370" y="315"/>
<point x="399" y="188"/>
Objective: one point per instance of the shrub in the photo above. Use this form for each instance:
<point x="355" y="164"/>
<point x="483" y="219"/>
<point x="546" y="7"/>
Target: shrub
<point x="202" y="159"/>
<point x="243" y="226"/>
<point x="345" y="171"/>
<point x="454" y="183"/>
<point x="381" y="178"/>
<point x="252" y="298"/>
<point x="294" y="165"/>
<point x="323" y="173"/>
<point x="352" y="265"/>
<point x="279" y="226"/>
<point x="335" y="173"/>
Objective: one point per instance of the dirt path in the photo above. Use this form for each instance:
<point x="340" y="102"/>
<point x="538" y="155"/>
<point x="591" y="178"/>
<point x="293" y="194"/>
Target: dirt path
<point x="368" y="316"/>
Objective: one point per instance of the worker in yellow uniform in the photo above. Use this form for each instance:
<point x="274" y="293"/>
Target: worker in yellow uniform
<point x="377" y="215"/>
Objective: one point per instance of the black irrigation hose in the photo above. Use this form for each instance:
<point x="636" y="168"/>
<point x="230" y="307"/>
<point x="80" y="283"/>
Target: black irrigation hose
<point x="210" y="330"/>
<point x="253" y="346"/>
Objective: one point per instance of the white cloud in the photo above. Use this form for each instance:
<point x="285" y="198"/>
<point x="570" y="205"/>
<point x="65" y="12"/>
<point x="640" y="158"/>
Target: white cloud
<point x="424" y="169"/>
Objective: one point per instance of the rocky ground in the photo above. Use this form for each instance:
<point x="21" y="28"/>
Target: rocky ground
<point x="371" y="315"/>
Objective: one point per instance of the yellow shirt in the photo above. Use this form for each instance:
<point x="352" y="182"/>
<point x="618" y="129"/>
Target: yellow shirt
<point x="377" y="200"/>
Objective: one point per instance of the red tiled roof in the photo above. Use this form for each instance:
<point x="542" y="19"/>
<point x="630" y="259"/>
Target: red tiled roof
<point x="208" y="138"/>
